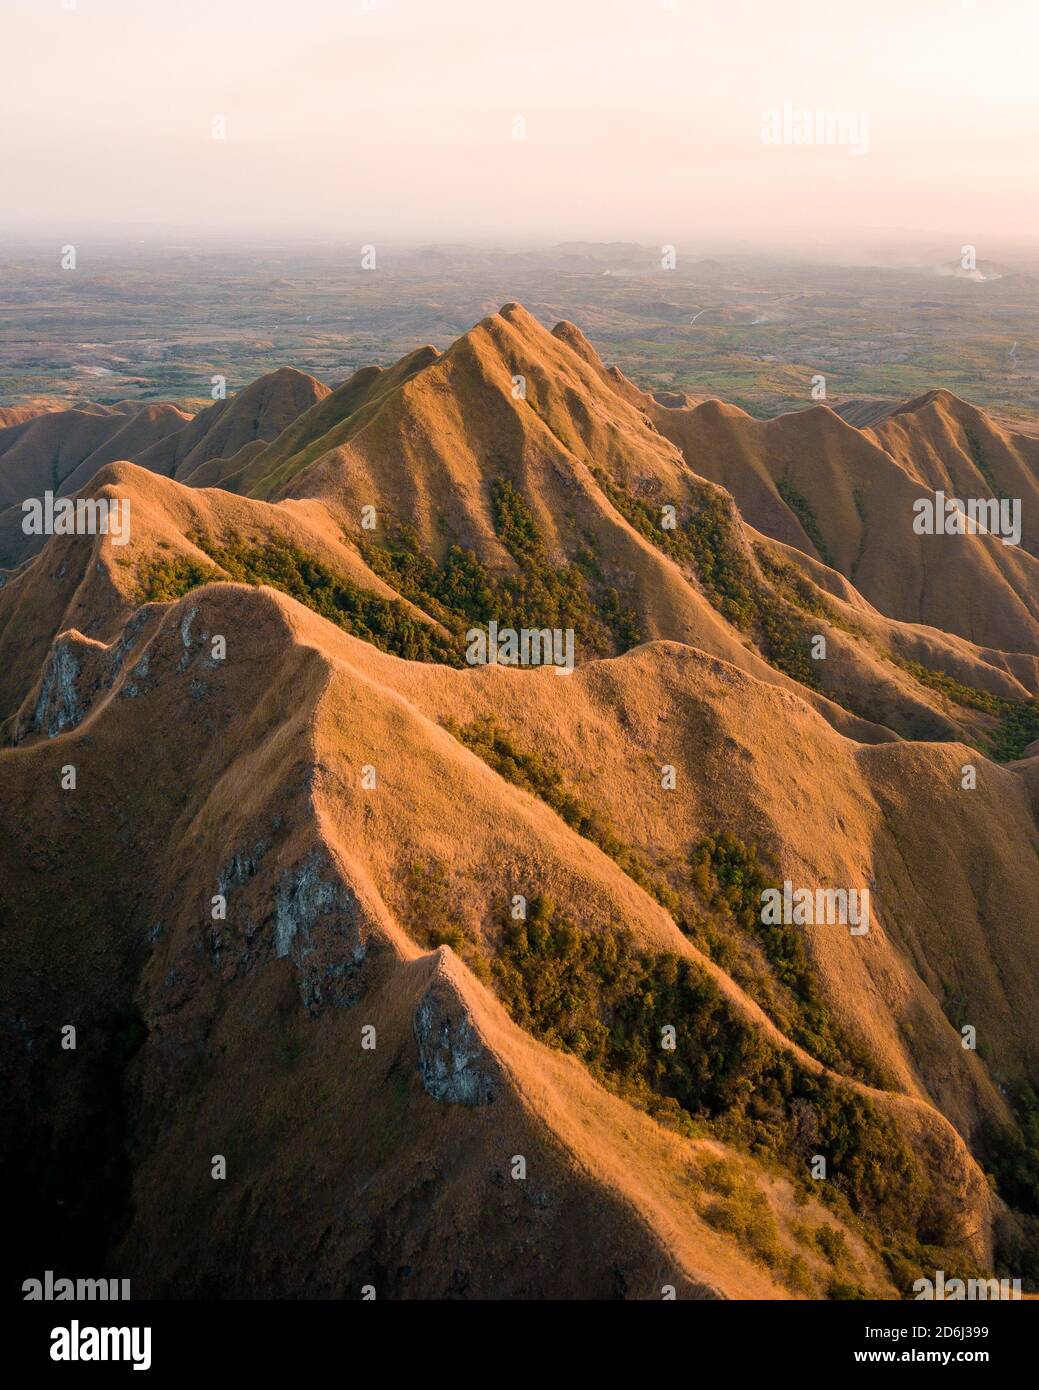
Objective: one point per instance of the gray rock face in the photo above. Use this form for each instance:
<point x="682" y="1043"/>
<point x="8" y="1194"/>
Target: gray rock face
<point x="317" y="924"/>
<point x="315" y="921"/>
<point x="59" y="706"/>
<point x="453" y="1063"/>
<point x="185" y="636"/>
<point x="74" y="675"/>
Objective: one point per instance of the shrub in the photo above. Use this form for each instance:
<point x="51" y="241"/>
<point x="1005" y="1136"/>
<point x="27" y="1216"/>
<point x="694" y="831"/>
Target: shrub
<point x="730" y="879"/>
<point x="1013" y="1153"/>
<point x="168" y="579"/>
<point x="833" y="1244"/>
<point x="1017" y="720"/>
<point x="600" y="996"/>
<point x="386" y="623"/>
<point x="708" y="544"/>
<point x="461" y="591"/>
<point x="802" y="509"/>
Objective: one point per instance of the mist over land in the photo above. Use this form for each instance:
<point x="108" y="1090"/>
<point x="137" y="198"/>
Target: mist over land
<point x="158" y="317"/>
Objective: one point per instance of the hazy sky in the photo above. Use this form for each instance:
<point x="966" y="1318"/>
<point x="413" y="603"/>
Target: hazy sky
<point x="644" y="118"/>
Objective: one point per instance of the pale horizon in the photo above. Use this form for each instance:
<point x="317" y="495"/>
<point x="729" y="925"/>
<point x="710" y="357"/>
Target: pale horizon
<point x="642" y="123"/>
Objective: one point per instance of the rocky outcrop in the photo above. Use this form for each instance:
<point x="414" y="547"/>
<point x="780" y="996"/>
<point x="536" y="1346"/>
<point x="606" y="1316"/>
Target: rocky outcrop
<point x="76" y="671"/>
<point x="453" y="1063"/>
<point x="318" y="924"/>
<point x="59" y="705"/>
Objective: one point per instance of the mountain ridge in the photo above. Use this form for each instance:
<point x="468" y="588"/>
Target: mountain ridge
<point x="368" y="806"/>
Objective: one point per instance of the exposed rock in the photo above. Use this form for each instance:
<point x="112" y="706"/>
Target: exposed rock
<point x="126" y="641"/>
<point x="453" y="1063"/>
<point x="318" y="925"/>
<point x="59" y="706"/>
<point x="241" y="867"/>
<point x="185" y="637"/>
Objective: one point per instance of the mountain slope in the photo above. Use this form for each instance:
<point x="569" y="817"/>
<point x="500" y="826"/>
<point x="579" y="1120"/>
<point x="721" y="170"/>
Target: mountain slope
<point x="276" y="826"/>
<point x="854" y="491"/>
<point x="461" y="971"/>
<point x="257" y="413"/>
<point x="60" y="451"/>
<point x="511" y="406"/>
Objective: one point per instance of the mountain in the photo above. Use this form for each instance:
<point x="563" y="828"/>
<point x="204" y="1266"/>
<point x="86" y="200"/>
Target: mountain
<point x="598" y="455"/>
<point x="19" y="414"/>
<point x="61" y="450"/>
<point x="255" y="415"/>
<point x="461" y="969"/>
<point x="845" y="496"/>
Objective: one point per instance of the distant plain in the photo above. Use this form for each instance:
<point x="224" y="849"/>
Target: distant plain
<point x="158" y="320"/>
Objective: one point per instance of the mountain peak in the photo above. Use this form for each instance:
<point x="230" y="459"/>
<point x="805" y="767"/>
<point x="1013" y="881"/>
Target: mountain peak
<point x="572" y="336"/>
<point x="940" y="397"/>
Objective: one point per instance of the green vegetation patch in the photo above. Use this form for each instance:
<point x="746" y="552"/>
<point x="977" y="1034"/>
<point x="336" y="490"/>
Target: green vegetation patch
<point x="981" y="463"/>
<point x="596" y="995"/>
<point x="742" y="1210"/>
<point x="1017" y="720"/>
<point x="551" y="595"/>
<point x="461" y="591"/>
<point x="713" y="903"/>
<point x="457" y="592"/>
<point x="706" y="542"/>
<point x="168" y="579"/>
<point x="794" y="586"/>
<point x="612" y="1004"/>
<point x="730" y="878"/>
<point x="802" y="509"/>
<point x="601" y="996"/>
<point x="432" y="916"/>
<point x="535" y="774"/>
<point x="1014" y="1154"/>
<point x="1011" y="1156"/>
<point x="386" y="623"/>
